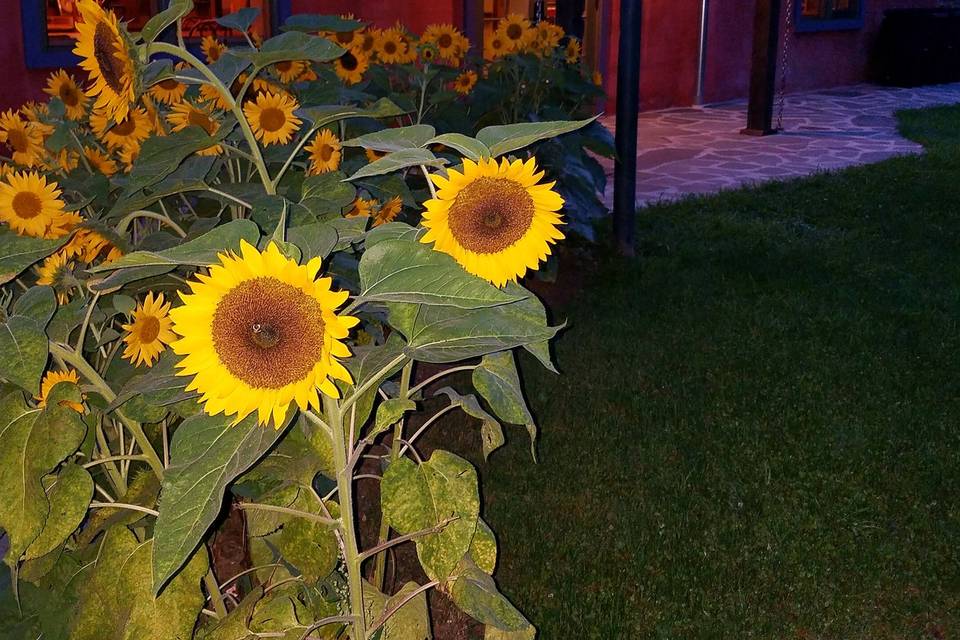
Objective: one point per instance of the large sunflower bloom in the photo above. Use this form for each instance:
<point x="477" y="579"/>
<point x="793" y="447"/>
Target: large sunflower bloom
<point x="212" y="48"/>
<point x="351" y="66"/>
<point x="103" y="50"/>
<point x="495" y="47"/>
<point x="513" y="29"/>
<point x="465" y="82"/>
<point x="494" y="219"/>
<point x="391" y="46"/>
<point x="367" y="41"/>
<point x="63" y="86"/>
<point x="271" y="118"/>
<point x="52" y="379"/>
<point x="169" y="91"/>
<point x="24" y="139"/>
<point x="150" y="331"/>
<point x="259" y="332"/>
<point x="185" y="114"/>
<point x="445" y="37"/>
<point x="325" y="153"/>
<point x="133" y="129"/>
<point x="29" y="204"/>
<point x="289" y="70"/>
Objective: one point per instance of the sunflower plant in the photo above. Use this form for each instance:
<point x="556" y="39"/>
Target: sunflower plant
<point x="235" y="293"/>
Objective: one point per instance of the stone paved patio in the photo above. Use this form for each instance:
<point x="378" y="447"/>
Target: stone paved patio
<point x="700" y="150"/>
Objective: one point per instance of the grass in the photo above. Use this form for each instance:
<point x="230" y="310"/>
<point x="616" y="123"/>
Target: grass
<point x="755" y="433"/>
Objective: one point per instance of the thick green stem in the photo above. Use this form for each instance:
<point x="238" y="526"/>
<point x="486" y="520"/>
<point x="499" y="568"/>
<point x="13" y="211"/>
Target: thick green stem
<point x="210" y="581"/>
<point x="125" y="222"/>
<point x="77" y="361"/>
<point x="380" y="562"/>
<point x="351" y="554"/>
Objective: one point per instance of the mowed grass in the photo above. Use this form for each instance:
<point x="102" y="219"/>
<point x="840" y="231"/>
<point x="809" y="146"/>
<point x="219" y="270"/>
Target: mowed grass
<point x="756" y="432"/>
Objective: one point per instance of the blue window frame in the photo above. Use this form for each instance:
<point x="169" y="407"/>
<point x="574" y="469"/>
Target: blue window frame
<point x="828" y="15"/>
<point x="42" y="51"/>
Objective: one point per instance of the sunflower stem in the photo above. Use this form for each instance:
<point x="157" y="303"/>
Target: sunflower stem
<point x="125" y="222"/>
<point x="213" y="591"/>
<point x="351" y="554"/>
<point x="74" y="359"/>
<point x="426" y="176"/>
<point x="189" y="58"/>
<point x="296" y="150"/>
<point x="376" y="379"/>
<point x="86" y="323"/>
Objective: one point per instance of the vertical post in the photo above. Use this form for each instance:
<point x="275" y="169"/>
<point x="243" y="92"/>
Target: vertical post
<point x="570" y="17"/>
<point x="628" y="108"/>
<point x="702" y="53"/>
<point x="473" y="24"/>
<point x="763" y="68"/>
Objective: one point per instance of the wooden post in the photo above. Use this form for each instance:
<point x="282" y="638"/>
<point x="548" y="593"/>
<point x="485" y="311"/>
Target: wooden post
<point x="473" y="24"/>
<point x="763" y="68"/>
<point x="628" y="108"/>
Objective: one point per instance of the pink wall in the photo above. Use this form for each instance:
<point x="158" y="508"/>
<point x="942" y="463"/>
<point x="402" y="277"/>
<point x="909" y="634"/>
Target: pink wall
<point x="19" y="83"/>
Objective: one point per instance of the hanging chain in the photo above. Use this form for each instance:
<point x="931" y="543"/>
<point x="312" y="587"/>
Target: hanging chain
<point x="782" y="90"/>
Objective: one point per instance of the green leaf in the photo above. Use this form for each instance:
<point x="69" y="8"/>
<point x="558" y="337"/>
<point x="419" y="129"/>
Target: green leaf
<point x="498" y="382"/>
<point x="469" y="147"/>
<point x="66" y="319"/>
<point x="409" y="271"/>
<point x="159" y="22"/>
<point x="389" y="412"/>
<point x="447" y="334"/>
<point x="234" y="626"/>
<point x="321" y="115"/>
<point x="205" y="456"/>
<point x="292" y="45"/>
<point x="366" y="362"/>
<point x="390" y="231"/>
<point x="416" y="497"/>
<point x="491" y="433"/>
<point x="32" y="443"/>
<point x="188" y="177"/>
<point x="24" y="347"/>
<point x="505" y="138"/>
<point x="158" y="386"/>
<point x="309" y="546"/>
<point x="394" y="139"/>
<point x="399" y="160"/>
<point x="239" y="20"/>
<point x="412" y="620"/>
<point x="226" y="68"/>
<point x="117" y="601"/>
<point x="326" y="194"/>
<point x="483" y="548"/>
<point x="314" y="240"/>
<point x="119" y="278"/>
<point x="476" y="594"/>
<point x="199" y="252"/>
<point x="19" y="252"/>
<point x="161" y="155"/>
<point x="315" y="22"/>
<point x="69" y="500"/>
<point x="37" y="303"/>
<point x="304" y="451"/>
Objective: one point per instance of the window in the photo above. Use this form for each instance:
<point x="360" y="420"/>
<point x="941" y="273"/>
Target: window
<point x="49" y="26"/>
<point x="829" y="15"/>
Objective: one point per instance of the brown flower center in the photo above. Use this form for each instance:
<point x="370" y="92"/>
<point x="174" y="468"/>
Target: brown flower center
<point x="27" y="205"/>
<point x="368" y="42"/>
<point x="445" y="41"/>
<point x="514" y="31"/>
<point x="390" y="47"/>
<point x="69" y="94"/>
<point x="169" y="84"/>
<point x="272" y="119"/>
<point x="348" y="61"/>
<point x="284" y="66"/>
<point x="491" y="214"/>
<point x="125" y="127"/>
<point x="149" y="329"/>
<point x="345" y="37"/>
<point x="268" y="333"/>
<point x="105" y="50"/>
<point x="326" y="152"/>
<point x="18" y="140"/>
<point x="201" y="119"/>
<point x="214" y="52"/>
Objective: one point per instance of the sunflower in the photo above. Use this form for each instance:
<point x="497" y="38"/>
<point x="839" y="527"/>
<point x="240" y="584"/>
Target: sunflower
<point x="351" y="66"/>
<point x="465" y="82"/>
<point x="308" y="75"/>
<point x="271" y="118"/>
<point x="52" y="379"/>
<point x="259" y="332"/>
<point x="410" y="43"/>
<point x="128" y="155"/>
<point x="495" y="47"/>
<point x="150" y="331"/>
<point x="428" y="51"/>
<point x="63" y="86"/>
<point x="549" y="36"/>
<point x="169" y="90"/>
<point x="389" y="211"/>
<point x="104" y="51"/>
<point x="65" y="159"/>
<point x="373" y="155"/>
<point x="345" y="39"/>
<point x="133" y="129"/>
<point x="24" y="139"/>
<point x="53" y="272"/>
<point x="361" y="208"/>
<point x="99" y="161"/>
<point x="88" y="245"/>
<point x="29" y="204"/>
<point x="367" y="41"/>
<point x="212" y="48"/>
<point x="494" y="219"/>
<point x="324" y="153"/>
<point x="446" y="38"/>
<point x="571" y="52"/>
<point x="391" y="47"/>
<point x="209" y="93"/>
<point x="513" y="29"/>
<point x="185" y="114"/>
<point x="289" y="70"/>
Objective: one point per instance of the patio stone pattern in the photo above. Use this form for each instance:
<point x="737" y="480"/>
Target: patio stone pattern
<point x="699" y="150"/>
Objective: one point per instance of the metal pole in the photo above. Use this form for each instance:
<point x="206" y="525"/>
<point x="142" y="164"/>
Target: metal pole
<point x="702" y="57"/>
<point x="473" y="24"/>
<point x="628" y="109"/>
<point x="763" y="69"/>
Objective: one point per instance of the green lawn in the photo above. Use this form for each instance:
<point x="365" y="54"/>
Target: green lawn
<point x="756" y="433"/>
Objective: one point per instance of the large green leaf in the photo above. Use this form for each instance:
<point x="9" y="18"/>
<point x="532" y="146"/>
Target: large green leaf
<point x="315" y="240"/>
<point x="32" y="444"/>
<point x="292" y="45"/>
<point x="19" y="252"/>
<point x="161" y="155"/>
<point x="476" y="594"/>
<point x="234" y="626"/>
<point x="309" y="546"/>
<point x="38" y="304"/>
<point x="491" y="433"/>
<point x="155" y="25"/>
<point x="188" y="177"/>
<point x="326" y="194"/>
<point x="399" y="160"/>
<point x="405" y="270"/>
<point x="412" y="620"/>
<point x="442" y="489"/>
<point x="470" y="147"/>
<point x="497" y="380"/>
<point x="316" y="22"/>
<point x="366" y="362"/>
<point x="240" y="19"/>
<point x="117" y="600"/>
<point x="199" y="252"/>
<point x="24" y="347"/>
<point x="505" y="138"/>
<point x="395" y="139"/>
<point x="159" y="385"/>
<point x="448" y="334"/>
<point x="69" y="500"/>
<point x="205" y="456"/>
<point x="324" y="114"/>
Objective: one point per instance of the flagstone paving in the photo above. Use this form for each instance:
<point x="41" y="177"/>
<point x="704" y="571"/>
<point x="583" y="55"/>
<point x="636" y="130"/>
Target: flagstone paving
<point x="700" y="150"/>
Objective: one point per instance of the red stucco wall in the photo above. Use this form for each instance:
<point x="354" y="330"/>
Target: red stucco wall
<point x="19" y="83"/>
<point x="415" y="14"/>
